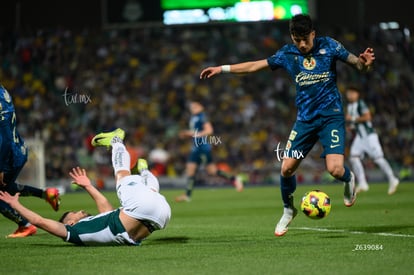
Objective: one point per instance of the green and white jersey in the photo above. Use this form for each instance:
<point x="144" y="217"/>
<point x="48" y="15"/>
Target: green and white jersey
<point x="103" y="229"/>
<point x="355" y="110"/>
<point x="138" y="200"/>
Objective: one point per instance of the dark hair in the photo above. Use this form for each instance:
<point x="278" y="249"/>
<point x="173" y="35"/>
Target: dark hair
<point x="301" y="25"/>
<point x="64" y="216"/>
<point x="355" y="88"/>
<point x="197" y="98"/>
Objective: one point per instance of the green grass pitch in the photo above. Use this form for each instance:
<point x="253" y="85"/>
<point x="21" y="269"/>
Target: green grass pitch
<point x="225" y="232"/>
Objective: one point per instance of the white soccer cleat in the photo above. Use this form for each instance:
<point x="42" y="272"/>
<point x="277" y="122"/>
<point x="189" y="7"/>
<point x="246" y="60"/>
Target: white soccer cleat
<point x="183" y="198"/>
<point x="393" y="186"/>
<point x="350" y="191"/>
<point x="285" y="220"/>
<point x="238" y="183"/>
<point x="362" y="188"/>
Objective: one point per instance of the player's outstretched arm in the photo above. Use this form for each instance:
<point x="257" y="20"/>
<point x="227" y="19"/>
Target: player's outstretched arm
<point x="186" y="134"/>
<point x="240" y="68"/>
<point x="80" y="178"/>
<point x="53" y="227"/>
<point x="364" y="61"/>
<point x="207" y="130"/>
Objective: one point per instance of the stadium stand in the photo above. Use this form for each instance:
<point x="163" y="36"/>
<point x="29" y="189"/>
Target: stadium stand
<point x="69" y="85"/>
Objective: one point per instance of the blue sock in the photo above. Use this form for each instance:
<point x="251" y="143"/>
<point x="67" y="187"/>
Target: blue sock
<point x="12" y="214"/>
<point x="346" y="176"/>
<point x="287" y="187"/>
<point x="25" y="190"/>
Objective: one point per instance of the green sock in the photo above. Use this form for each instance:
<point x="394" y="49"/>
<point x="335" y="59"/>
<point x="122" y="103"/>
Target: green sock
<point x="190" y="185"/>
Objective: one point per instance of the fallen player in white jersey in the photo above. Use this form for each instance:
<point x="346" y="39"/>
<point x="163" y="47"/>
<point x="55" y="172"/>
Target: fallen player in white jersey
<point x="143" y="209"/>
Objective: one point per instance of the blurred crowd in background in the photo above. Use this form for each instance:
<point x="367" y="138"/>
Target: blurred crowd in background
<point x="69" y="85"/>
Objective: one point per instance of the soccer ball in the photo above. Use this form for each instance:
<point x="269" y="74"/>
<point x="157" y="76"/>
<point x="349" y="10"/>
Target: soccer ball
<point x="316" y="204"/>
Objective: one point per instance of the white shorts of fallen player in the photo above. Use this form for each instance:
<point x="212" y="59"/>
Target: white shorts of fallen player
<point x="142" y="202"/>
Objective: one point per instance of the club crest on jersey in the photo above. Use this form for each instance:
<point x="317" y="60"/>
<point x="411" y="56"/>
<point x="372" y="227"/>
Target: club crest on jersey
<point x="23" y="149"/>
<point x="6" y="95"/>
<point x="309" y="63"/>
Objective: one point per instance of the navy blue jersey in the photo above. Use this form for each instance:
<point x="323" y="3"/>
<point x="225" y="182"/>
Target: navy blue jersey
<point x="6" y="105"/>
<point x="314" y="75"/>
<point x="13" y="152"/>
<point x="197" y="122"/>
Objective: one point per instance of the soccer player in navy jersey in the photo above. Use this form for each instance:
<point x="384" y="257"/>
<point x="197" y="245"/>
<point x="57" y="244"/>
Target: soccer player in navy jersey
<point x="310" y="61"/>
<point x="13" y="156"/>
<point x="200" y="131"/>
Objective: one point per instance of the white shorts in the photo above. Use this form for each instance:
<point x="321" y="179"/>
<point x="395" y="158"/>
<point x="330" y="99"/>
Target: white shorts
<point x="369" y="145"/>
<point x="142" y="203"/>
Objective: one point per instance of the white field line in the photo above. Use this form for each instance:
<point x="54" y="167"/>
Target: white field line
<point x="352" y="232"/>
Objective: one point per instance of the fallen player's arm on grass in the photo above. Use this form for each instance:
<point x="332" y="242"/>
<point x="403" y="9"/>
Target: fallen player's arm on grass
<point x="53" y="227"/>
<point x="80" y="178"/>
<point x="101" y="201"/>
